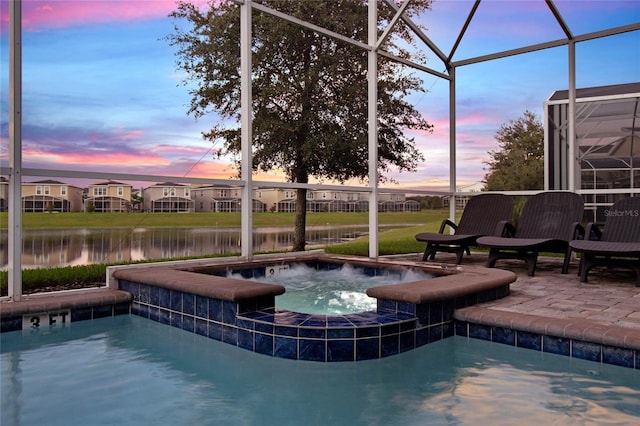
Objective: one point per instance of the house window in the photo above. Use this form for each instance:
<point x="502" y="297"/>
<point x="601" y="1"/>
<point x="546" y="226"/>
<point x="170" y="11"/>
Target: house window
<point x="168" y="192"/>
<point x="63" y="191"/>
<point x="259" y="194"/>
<point x="223" y="193"/>
<point x="120" y="191"/>
<point x="309" y="195"/>
<point x="38" y="190"/>
<point x="186" y="192"/>
<point x="47" y="190"/>
<point x="99" y="191"/>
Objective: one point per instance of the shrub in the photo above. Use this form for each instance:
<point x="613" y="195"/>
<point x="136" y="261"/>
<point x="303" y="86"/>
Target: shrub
<point x="68" y="276"/>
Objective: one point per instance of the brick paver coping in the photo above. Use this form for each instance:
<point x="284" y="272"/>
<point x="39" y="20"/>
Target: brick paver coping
<point x="574" y="328"/>
<point x="223" y="288"/>
<point x="37" y="303"/>
<point x="448" y="284"/>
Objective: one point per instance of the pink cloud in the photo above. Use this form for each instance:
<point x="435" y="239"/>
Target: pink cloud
<point x="182" y="150"/>
<point x="474" y="119"/>
<point x="117" y="135"/>
<point x="91" y="160"/>
<point x="212" y="170"/>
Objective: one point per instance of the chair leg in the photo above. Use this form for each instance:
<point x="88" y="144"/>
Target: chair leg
<point x="459" y="254"/>
<point x="492" y="258"/>
<point x="581" y="265"/>
<point x="567" y="259"/>
<point x="427" y="251"/>
<point x="430" y="252"/>
<point x="532" y="261"/>
<point x="585" y="266"/>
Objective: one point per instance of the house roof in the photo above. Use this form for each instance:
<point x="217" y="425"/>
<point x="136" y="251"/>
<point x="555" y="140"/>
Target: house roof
<point x="167" y="184"/>
<point x="607" y="124"/>
<point x="49" y="181"/>
<point x="590" y="92"/>
<point x="109" y="182"/>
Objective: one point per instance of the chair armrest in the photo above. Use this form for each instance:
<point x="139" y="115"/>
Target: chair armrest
<point x="593" y="231"/>
<point x="578" y="231"/>
<point x="446" y="222"/>
<point x="502" y="229"/>
<point x="508" y="229"/>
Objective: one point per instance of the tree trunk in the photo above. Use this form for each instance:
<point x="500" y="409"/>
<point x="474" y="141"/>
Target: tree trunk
<point x="301" y="220"/>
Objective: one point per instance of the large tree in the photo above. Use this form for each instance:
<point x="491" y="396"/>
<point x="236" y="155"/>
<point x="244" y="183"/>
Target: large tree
<point x="519" y="163"/>
<point x="309" y="91"/>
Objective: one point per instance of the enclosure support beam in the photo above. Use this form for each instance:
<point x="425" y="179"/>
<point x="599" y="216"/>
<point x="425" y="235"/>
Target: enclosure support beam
<point x="15" y="152"/>
<point x="571" y="130"/>
<point x="452" y="144"/>
<point x="246" y="160"/>
<point x="372" y="83"/>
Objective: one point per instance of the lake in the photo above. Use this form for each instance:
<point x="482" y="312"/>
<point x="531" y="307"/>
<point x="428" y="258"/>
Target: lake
<point x="69" y="247"/>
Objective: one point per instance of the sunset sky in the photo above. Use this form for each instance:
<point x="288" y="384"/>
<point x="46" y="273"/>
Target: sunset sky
<point x="101" y="92"/>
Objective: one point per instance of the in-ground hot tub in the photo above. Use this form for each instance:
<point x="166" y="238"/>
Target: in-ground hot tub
<point x="321" y="287"/>
<point x="198" y="296"/>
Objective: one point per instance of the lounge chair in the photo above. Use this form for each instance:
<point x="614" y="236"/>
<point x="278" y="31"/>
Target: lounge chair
<point x="618" y="244"/>
<point x="548" y="222"/>
<point x="485" y="214"/>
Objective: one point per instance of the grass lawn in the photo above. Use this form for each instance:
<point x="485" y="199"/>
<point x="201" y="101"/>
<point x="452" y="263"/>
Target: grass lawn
<point x="396" y="241"/>
<point x="203" y="220"/>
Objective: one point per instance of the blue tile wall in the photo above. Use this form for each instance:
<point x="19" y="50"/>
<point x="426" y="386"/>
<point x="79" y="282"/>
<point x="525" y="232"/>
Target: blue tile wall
<point x="586" y="350"/>
<point x="264" y="343"/>
<point x="338" y="350"/>
<point x="479" y="331"/>
<point x="292" y="335"/>
<point x="11" y="324"/>
<point x="284" y="347"/>
<point x="529" y="340"/>
<point x="556" y="345"/>
<point x="255" y="324"/>
<point x="506" y="336"/>
<point x="618" y="356"/>
<point x="589" y="351"/>
<point x="77" y="314"/>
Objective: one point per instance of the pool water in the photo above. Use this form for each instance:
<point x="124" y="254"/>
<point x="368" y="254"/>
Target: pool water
<point x="338" y="291"/>
<point x="127" y="370"/>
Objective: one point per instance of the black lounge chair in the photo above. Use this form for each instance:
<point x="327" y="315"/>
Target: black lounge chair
<point x="485" y="214"/>
<point x="617" y="245"/>
<point x="548" y="222"/>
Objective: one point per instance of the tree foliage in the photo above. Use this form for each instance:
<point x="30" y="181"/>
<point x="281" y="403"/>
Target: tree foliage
<point x="309" y="91"/>
<point x="519" y="163"/>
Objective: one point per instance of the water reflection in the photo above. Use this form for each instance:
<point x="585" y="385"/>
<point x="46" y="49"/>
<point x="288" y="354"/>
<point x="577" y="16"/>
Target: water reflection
<point x="50" y="248"/>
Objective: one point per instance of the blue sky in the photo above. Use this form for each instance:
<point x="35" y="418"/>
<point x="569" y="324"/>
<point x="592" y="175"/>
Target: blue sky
<point x="100" y="89"/>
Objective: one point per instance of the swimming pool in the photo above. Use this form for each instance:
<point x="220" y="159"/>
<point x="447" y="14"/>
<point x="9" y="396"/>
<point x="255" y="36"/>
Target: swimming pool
<point x="128" y="370"/>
